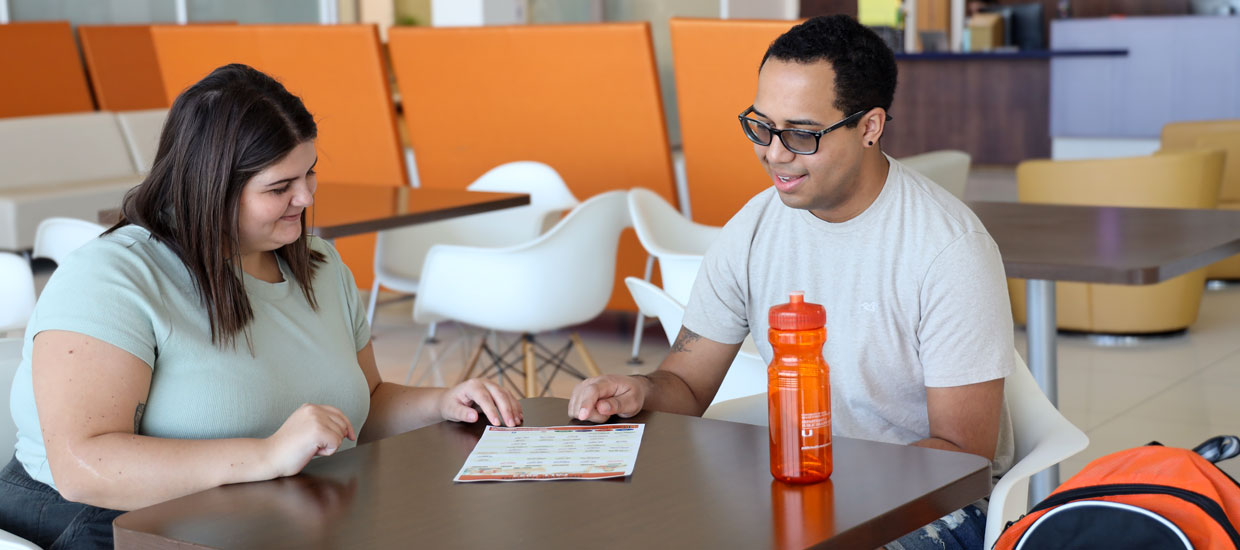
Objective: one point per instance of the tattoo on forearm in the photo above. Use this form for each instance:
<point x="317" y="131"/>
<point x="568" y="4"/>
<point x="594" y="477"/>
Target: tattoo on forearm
<point x="137" y="417"/>
<point x="683" y="340"/>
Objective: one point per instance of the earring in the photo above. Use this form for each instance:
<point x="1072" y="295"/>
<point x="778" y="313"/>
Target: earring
<point x="871" y="143"/>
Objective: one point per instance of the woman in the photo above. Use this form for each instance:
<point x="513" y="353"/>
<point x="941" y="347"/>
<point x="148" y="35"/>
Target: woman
<point x="205" y="339"/>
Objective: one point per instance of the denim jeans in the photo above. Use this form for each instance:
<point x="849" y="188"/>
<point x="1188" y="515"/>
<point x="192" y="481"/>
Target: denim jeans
<point x="963" y="529"/>
<point x="36" y="512"/>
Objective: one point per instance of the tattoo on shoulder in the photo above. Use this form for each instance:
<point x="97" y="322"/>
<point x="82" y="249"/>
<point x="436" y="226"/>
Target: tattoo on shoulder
<point x="137" y="417"/>
<point x="683" y="340"/>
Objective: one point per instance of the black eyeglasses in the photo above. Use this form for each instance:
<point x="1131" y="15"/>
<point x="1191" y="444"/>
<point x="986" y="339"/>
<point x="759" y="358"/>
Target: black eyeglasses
<point x="801" y="142"/>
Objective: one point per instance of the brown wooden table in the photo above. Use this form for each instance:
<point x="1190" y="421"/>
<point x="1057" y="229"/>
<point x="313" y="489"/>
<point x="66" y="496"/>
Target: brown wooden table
<point x="698" y="483"/>
<point x="341" y="210"/>
<point x="1044" y="243"/>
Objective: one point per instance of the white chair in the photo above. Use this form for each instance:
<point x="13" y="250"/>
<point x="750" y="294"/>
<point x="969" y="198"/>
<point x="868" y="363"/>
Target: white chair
<point x="10" y="358"/>
<point x="747" y="374"/>
<point x="948" y="168"/>
<point x="400" y="253"/>
<point x="559" y="279"/>
<point x="16" y="293"/>
<point x="9" y="541"/>
<point x="1043" y="438"/>
<point x="57" y="237"/>
<point x="1042" y="435"/>
<point x="676" y="241"/>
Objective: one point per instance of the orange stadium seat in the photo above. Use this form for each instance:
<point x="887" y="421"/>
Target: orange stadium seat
<point x="583" y="99"/>
<point x="716" y="68"/>
<point x="43" y="74"/>
<point x="339" y="73"/>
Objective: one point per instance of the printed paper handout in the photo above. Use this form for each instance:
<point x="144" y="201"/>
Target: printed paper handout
<point x="553" y="452"/>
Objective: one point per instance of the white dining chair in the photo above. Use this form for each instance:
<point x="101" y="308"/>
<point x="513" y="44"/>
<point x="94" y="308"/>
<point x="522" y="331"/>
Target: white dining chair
<point x="400" y="253"/>
<point x="17" y="295"/>
<point x="560" y="279"/>
<point x="56" y="238"/>
<point x="677" y="242"/>
<point x="747" y="374"/>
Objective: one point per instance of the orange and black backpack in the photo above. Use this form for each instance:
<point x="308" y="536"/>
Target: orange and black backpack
<point x="1149" y="497"/>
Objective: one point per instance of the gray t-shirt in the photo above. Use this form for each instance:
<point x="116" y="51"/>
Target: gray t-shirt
<point x="914" y="291"/>
<point x="131" y="291"/>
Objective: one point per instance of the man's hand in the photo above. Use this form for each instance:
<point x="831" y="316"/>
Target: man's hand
<point x="596" y="399"/>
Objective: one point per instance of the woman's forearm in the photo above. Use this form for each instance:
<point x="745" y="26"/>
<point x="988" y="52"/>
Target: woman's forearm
<point x="397" y="409"/>
<point x="126" y="471"/>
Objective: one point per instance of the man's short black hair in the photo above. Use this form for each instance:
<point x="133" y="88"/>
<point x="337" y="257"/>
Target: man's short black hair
<point x="865" y="68"/>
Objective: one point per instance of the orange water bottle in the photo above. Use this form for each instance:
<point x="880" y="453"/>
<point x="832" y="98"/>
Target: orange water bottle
<point x="799" y="392"/>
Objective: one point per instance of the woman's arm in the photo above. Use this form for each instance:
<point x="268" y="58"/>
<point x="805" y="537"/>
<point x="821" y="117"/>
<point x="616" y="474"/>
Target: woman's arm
<point x="397" y="409"/>
<point x="90" y="397"/>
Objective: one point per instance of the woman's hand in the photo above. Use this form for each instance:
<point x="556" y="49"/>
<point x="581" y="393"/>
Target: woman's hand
<point x="312" y="430"/>
<point x="498" y="404"/>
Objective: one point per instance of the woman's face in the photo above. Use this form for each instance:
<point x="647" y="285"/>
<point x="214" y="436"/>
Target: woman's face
<point x="273" y="200"/>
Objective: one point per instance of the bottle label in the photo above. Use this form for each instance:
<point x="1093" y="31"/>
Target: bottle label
<point x="815" y="430"/>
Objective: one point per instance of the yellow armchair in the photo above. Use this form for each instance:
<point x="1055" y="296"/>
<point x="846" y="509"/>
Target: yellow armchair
<point x="1187" y="179"/>
<point x="1213" y="134"/>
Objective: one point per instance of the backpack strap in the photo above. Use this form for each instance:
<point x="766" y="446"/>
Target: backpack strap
<point x="1219" y="448"/>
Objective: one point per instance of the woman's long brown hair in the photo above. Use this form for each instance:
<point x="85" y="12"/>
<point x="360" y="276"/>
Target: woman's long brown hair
<point x="219" y="133"/>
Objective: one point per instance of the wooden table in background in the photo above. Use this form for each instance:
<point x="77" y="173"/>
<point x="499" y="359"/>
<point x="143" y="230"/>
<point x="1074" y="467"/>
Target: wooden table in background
<point x="1044" y="243"/>
<point x="697" y="484"/>
<point x="342" y="210"/>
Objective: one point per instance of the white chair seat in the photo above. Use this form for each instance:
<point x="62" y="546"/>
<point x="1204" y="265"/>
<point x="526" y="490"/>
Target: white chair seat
<point x="16" y="293"/>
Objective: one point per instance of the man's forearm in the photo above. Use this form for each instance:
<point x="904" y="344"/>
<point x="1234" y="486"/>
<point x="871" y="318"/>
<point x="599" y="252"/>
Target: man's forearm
<point x="668" y="392"/>
<point x="943" y="444"/>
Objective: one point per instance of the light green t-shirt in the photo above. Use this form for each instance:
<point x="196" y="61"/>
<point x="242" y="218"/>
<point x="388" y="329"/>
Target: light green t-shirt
<point x="131" y="291"/>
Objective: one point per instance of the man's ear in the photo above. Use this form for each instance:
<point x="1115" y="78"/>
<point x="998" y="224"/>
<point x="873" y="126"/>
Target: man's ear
<point x="873" y="123"/>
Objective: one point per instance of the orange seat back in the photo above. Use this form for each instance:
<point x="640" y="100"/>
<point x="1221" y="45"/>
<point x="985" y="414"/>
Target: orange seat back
<point x="336" y="70"/>
<point x="124" y="73"/>
<point x="583" y="99"/>
<point x="42" y="73"/>
<point x="716" y="67"/>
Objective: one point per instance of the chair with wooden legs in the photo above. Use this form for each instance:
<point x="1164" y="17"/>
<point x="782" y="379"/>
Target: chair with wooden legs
<point x="560" y="279"/>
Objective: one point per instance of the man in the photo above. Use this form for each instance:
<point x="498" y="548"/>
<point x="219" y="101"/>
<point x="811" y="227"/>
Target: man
<point x="919" y="330"/>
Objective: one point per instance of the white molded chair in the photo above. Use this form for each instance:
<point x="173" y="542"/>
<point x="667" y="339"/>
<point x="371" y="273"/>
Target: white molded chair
<point x="1042" y="435"/>
<point x="400" y="253"/>
<point x="1043" y="438"/>
<point x="57" y="237"/>
<point x="9" y="541"/>
<point x="948" y="168"/>
<point x="559" y="279"/>
<point x="17" y="295"/>
<point x="747" y="374"/>
<point x="676" y="241"/>
<point x="10" y="358"/>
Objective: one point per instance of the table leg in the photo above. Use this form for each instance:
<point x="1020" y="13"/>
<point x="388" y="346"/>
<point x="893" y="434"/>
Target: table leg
<point x="1040" y="325"/>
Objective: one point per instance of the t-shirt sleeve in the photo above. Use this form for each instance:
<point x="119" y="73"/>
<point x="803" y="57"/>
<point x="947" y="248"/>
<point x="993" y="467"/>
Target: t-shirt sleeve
<point x="352" y="298"/>
<point x="104" y="291"/>
<point x="965" y="333"/>
<point x="717" y="304"/>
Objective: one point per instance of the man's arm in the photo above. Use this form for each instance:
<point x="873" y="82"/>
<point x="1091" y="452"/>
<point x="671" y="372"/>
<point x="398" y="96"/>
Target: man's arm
<point x="965" y="418"/>
<point x="684" y="383"/>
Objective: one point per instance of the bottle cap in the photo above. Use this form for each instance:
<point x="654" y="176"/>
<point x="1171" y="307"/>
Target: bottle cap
<point x="797" y="314"/>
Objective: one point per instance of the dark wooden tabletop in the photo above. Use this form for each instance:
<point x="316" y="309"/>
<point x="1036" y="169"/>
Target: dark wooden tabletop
<point x="1100" y="244"/>
<point x="697" y="484"/>
<point x="342" y="210"/>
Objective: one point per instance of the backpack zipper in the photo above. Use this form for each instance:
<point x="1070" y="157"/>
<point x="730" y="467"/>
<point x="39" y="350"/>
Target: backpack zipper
<point x="1207" y="505"/>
